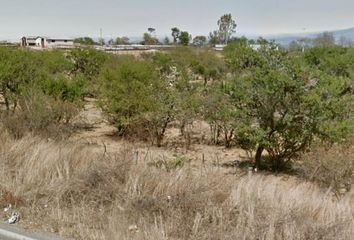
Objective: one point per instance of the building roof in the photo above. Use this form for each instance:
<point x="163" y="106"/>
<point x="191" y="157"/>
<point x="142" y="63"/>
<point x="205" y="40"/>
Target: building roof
<point x="48" y="38"/>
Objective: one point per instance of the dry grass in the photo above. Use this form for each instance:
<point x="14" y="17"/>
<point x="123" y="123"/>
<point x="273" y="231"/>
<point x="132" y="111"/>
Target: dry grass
<point x="329" y="167"/>
<point x="77" y="191"/>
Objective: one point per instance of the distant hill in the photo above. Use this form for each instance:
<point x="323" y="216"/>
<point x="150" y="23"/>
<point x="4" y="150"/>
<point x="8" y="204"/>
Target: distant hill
<point x="286" y="39"/>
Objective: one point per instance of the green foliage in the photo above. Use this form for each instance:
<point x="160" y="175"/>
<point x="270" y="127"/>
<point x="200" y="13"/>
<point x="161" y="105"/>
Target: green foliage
<point x="175" y="34"/>
<point x="220" y="113"/>
<point x="202" y="63"/>
<point x="184" y="38"/>
<point x="286" y="103"/>
<point x="214" y="37"/>
<point x="122" y="41"/>
<point x="149" y="40"/>
<point x="333" y="60"/>
<point x="227" y="26"/>
<point x="240" y="56"/>
<point x="85" y="41"/>
<point x="40" y="114"/>
<point x="65" y="89"/>
<point x="135" y="94"/>
<point x="39" y="92"/>
<point x="199" y="40"/>
<point x="87" y="61"/>
<point x="17" y="68"/>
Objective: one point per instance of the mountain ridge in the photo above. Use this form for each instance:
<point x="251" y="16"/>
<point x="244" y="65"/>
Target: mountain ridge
<point x="286" y="39"/>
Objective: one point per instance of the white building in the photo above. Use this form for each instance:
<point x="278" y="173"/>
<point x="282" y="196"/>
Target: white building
<point x="45" y="42"/>
<point x="219" y="47"/>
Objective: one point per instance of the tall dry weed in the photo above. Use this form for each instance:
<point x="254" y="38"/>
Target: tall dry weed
<point x="78" y="191"/>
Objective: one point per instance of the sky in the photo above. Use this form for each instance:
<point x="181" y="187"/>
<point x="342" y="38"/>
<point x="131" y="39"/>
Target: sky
<point x="74" y="18"/>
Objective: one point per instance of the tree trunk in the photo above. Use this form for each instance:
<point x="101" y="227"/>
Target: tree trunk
<point x="258" y="156"/>
<point x="159" y="139"/>
<point x="160" y="135"/>
<point x="228" y="137"/>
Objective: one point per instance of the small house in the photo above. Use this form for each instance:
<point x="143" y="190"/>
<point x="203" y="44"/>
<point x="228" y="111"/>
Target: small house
<point x="45" y="42"/>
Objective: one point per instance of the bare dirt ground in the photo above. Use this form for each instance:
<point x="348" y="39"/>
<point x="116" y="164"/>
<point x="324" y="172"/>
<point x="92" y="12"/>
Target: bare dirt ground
<point x="102" y="133"/>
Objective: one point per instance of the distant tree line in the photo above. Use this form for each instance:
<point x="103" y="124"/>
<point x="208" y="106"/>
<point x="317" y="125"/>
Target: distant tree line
<point x="323" y="39"/>
<point x="226" y="27"/>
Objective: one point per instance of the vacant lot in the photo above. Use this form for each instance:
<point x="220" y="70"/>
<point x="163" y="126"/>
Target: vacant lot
<point x="102" y="146"/>
<point x="82" y="189"/>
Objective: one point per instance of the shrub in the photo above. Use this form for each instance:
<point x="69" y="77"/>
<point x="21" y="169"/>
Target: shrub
<point x="178" y="162"/>
<point x="40" y="114"/>
<point x="87" y="61"/>
<point x="286" y="103"/>
<point x="329" y="167"/>
<point x="134" y="94"/>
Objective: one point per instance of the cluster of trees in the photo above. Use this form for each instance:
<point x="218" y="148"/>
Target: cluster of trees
<point x="85" y="41"/>
<point x="266" y="100"/>
<point x="226" y="27"/>
<point x="43" y="90"/>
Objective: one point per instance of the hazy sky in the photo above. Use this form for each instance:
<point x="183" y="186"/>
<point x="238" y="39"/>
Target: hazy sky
<point x="72" y="18"/>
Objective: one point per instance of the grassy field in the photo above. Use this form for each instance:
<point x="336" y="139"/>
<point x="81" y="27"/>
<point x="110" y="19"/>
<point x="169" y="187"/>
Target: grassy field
<point x="77" y="191"/>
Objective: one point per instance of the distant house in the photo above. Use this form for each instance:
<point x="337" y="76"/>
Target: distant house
<point x="45" y="42"/>
<point x="219" y="47"/>
<point x="255" y="47"/>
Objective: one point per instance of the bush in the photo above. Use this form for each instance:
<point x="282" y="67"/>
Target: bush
<point x="286" y="104"/>
<point x="333" y="167"/>
<point x="42" y="115"/>
<point x="134" y="94"/>
<point x="87" y="61"/>
<point x="178" y="162"/>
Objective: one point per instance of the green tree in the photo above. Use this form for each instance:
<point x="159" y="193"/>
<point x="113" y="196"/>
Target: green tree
<point x="149" y="40"/>
<point x="285" y="104"/>
<point x="185" y="38"/>
<point x="151" y="30"/>
<point x="199" y="40"/>
<point x="241" y="57"/>
<point x="220" y="113"/>
<point x="175" y="34"/>
<point x="86" y="61"/>
<point x="122" y="41"/>
<point x="85" y="41"/>
<point x="334" y="60"/>
<point x="227" y="26"/>
<point x="18" y="68"/>
<point x="214" y="37"/>
<point x="135" y="95"/>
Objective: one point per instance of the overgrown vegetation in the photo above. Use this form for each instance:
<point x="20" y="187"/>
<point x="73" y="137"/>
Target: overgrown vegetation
<point x="266" y="100"/>
<point x="81" y="193"/>
<point x="43" y="91"/>
<point x="290" y="107"/>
